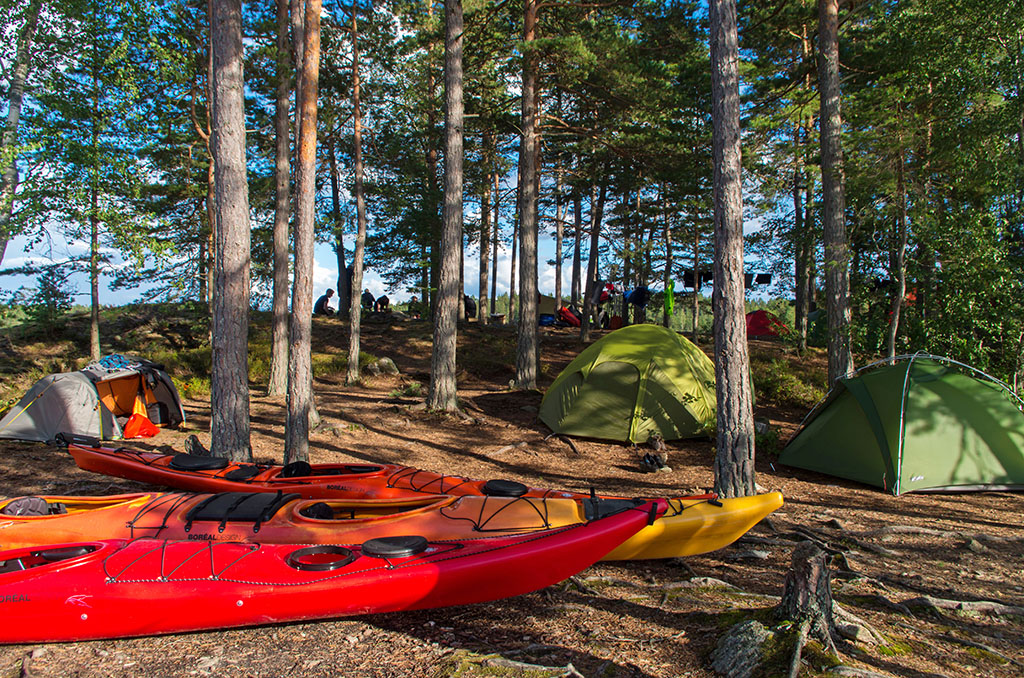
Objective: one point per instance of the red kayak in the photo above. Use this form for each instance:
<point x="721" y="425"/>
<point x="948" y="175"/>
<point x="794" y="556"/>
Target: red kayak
<point x="316" y="481"/>
<point x="118" y="588"/>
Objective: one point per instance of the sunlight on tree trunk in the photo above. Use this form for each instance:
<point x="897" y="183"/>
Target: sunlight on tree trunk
<point x="442" y="393"/>
<point x="526" y="350"/>
<point x="734" y="459"/>
<point x="278" y="382"/>
<point x="229" y="380"/>
<point x="837" y="255"/>
<point x="354" y="308"/>
<point x="300" y="373"/>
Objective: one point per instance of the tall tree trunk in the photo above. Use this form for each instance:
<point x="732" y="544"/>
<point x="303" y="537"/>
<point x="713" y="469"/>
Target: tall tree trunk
<point x="837" y="272"/>
<point x="734" y="461"/>
<point x="899" y="271"/>
<point x="495" y="240"/>
<point x="339" y="230"/>
<point x="443" y="387"/>
<point x="802" y="191"/>
<point x="278" y="383"/>
<point x="229" y="380"/>
<point x="559" y="234"/>
<point x="355" y="313"/>
<point x="485" y="235"/>
<point x="800" y="241"/>
<point x="15" y="97"/>
<point x="94" y="218"/>
<point x="94" y="276"/>
<point x="512" y="270"/>
<point x="207" y="236"/>
<point x="574" y="296"/>
<point x="596" y="214"/>
<point x="526" y="352"/>
<point x="434" y="260"/>
<point x="300" y="370"/>
<point x="695" y="307"/>
<point x="667" y="282"/>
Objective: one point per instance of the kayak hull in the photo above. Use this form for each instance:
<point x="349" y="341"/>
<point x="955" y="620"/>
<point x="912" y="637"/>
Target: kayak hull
<point x="121" y="588"/>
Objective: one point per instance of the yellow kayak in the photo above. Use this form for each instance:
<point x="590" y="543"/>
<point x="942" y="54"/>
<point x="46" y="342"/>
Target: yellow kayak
<point x="692" y="527"/>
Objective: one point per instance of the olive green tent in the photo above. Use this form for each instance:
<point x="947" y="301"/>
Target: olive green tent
<point x="631" y="383"/>
<point x="921" y="423"/>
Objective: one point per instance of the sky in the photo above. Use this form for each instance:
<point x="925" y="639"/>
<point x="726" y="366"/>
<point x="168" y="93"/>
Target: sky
<point x="325" y="271"/>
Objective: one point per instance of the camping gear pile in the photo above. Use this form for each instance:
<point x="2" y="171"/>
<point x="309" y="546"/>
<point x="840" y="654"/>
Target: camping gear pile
<point x="279" y="543"/>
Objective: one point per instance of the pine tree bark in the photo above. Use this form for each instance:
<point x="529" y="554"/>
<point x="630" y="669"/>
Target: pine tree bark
<point x="597" y="199"/>
<point x="837" y="274"/>
<point x="899" y="255"/>
<point x="526" y="349"/>
<point x="577" y="206"/>
<point x="559" y="234"/>
<point x="278" y="382"/>
<point x="354" y="309"/>
<point x="666" y="281"/>
<point x="15" y="98"/>
<point x="339" y="230"/>
<point x="229" y="380"/>
<point x="734" y="460"/>
<point x="496" y="179"/>
<point x="802" y="226"/>
<point x="485" y="235"/>
<point x="695" y="302"/>
<point x="300" y="372"/>
<point x="94" y="218"/>
<point x="442" y="393"/>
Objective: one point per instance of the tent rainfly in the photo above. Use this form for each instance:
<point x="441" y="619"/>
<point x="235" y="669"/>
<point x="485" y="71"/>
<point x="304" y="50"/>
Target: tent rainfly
<point x="761" y="323"/>
<point x="634" y="382"/>
<point x="919" y="423"/>
<point x="98" y="401"/>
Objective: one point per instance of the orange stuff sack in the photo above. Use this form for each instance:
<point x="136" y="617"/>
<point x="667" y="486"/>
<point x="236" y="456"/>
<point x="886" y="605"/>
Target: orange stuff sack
<point x="139" y="426"/>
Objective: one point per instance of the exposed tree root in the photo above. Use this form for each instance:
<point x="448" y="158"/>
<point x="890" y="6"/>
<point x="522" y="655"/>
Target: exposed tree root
<point x="567" y="670"/>
<point x="798" y="648"/>
<point x="979" y="606"/>
<point x="509" y="448"/>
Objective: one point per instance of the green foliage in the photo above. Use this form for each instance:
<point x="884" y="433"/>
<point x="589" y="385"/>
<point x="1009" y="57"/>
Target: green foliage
<point x="413" y="389"/>
<point x="778" y="383"/>
<point x="52" y="298"/>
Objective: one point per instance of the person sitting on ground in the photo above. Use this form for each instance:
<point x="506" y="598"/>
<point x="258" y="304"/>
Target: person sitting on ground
<point x="321" y="307"/>
<point x="382" y="304"/>
<point x="367" y="299"/>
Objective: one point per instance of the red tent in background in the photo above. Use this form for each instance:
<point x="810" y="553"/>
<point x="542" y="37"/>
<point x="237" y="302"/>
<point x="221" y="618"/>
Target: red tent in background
<point x="761" y="323"/>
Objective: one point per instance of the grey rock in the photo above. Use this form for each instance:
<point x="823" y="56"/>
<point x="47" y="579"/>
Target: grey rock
<point x="387" y="366"/>
<point x="738" y="653"/>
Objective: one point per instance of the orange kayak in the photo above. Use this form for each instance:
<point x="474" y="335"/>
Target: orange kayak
<point x="316" y="481"/>
<point x="275" y="518"/>
<point x="690" y="525"/>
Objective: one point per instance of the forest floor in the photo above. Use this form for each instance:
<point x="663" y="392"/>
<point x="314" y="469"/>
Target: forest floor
<point x="637" y="618"/>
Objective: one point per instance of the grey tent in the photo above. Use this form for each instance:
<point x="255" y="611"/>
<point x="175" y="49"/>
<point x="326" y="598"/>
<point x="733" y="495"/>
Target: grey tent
<point x="95" y="401"/>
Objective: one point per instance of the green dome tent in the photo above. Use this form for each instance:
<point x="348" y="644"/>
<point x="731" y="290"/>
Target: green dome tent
<point x="631" y="383"/>
<point x="923" y="423"/>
